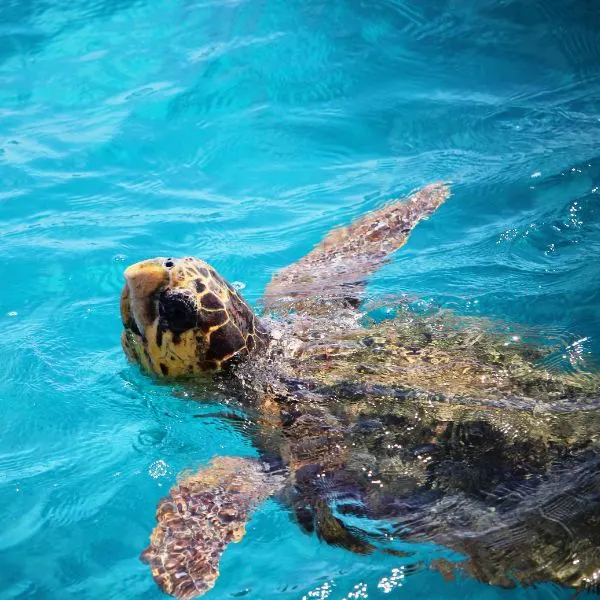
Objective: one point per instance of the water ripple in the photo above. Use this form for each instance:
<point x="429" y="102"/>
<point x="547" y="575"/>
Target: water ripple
<point x="242" y="132"/>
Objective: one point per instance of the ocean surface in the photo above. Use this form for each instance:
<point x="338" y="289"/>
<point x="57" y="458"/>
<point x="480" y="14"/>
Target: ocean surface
<point x="240" y="131"/>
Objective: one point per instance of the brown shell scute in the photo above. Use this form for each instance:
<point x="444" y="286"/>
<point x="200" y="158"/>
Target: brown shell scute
<point x="225" y="340"/>
<point x="240" y="315"/>
<point x="229" y="323"/>
<point x="213" y="319"/>
<point x="211" y="301"/>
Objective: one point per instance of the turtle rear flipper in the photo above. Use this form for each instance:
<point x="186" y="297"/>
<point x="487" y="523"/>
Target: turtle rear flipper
<point x="202" y="514"/>
<point x="334" y="532"/>
<point x="337" y="267"/>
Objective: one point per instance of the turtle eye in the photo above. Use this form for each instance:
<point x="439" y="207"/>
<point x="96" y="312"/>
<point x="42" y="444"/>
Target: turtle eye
<point x="169" y="263"/>
<point x="177" y="310"/>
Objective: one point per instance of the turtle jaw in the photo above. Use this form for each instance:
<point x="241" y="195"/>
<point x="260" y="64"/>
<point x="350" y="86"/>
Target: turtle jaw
<point x="143" y="281"/>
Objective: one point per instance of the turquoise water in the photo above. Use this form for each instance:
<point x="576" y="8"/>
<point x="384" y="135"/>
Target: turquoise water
<point x="240" y="131"/>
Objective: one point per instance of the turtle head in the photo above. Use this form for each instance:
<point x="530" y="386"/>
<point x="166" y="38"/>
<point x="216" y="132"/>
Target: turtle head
<point x="182" y="318"/>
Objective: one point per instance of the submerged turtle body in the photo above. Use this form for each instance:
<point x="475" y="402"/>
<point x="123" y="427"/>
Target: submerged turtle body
<point x="438" y="428"/>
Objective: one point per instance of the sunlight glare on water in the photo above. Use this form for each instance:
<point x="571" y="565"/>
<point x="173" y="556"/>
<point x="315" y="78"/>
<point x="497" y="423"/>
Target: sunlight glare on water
<point x="240" y="132"/>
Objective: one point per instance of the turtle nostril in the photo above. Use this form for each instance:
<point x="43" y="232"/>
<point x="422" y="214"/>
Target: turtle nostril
<point x="169" y="263"/>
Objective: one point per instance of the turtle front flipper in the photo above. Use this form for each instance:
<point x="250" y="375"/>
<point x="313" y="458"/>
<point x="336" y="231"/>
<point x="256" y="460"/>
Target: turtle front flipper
<point x="202" y="514"/>
<point x="336" y="269"/>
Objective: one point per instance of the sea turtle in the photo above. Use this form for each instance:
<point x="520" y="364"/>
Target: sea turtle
<point x="423" y="427"/>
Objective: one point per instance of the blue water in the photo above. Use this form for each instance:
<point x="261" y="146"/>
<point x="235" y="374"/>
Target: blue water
<point x="240" y="131"/>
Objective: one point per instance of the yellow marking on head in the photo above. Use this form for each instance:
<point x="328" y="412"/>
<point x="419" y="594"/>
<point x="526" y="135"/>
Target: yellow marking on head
<point x="146" y="277"/>
<point x="125" y="306"/>
<point x="180" y="359"/>
<point x="143" y="279"/>
<point x="134" y="350"/>
<point x="216" y="327"/>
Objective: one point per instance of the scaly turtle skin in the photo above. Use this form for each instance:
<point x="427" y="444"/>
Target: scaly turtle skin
<point x="182" y="318"/>
<point x="438" y="428"/>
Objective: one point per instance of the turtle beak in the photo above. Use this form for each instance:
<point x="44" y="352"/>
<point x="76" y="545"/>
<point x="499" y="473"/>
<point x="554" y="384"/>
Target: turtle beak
<point x="143" y="280"/>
